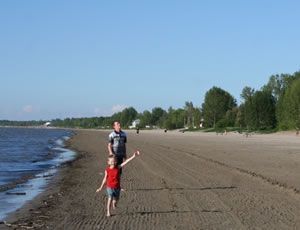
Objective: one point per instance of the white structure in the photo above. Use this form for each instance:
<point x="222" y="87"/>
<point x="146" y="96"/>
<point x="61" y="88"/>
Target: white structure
<point x="201" y="124"/>
<point x="135" y="123"/>
<point x="47" y="124"/>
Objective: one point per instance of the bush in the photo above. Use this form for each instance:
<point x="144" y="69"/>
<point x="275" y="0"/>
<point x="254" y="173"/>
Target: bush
<point x="223" y="123"/>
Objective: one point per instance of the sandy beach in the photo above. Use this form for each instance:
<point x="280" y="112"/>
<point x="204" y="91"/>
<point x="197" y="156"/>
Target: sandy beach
<point x="180" y="181"/>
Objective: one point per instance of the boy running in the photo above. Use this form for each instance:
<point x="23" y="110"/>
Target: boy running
<point x="112" y="180"/>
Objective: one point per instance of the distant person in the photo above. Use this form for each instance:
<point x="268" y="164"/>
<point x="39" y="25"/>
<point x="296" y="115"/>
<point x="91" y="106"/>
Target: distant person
<point x="112" y="180"/>
<point x="117" y="143"/>
<point x="137" y="130"/>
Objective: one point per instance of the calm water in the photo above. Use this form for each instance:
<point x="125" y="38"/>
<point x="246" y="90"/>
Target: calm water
<point x="28" y="157"/>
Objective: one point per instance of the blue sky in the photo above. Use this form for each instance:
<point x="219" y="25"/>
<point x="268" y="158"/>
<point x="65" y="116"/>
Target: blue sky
<point x="90" y="58"/>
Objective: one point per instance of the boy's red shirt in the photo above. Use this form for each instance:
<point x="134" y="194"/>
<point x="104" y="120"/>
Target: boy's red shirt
<point x="113" y="177"/>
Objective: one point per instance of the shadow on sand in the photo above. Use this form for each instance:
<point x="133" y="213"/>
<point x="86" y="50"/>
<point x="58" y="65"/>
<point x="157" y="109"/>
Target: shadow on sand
<point x="182" y="189"/>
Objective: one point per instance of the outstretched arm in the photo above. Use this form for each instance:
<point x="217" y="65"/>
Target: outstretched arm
<point x="130" y="158"/>
<point x="103" y="182"/>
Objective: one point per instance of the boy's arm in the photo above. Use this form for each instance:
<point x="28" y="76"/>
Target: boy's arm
<point x="130" y="158"/>
<point x="103" y="182"/>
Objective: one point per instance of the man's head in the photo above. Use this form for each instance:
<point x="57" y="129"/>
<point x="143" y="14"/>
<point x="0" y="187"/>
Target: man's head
<point x="117" y="126"/>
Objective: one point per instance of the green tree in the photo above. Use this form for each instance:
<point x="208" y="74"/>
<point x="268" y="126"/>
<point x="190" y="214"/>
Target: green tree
<point x="157" y="117"/>
<point x="192" y="116"/>
<point x="247" y="93"/>
<point x="174" y="119"/>
<point x="247" y="108"/>
<point x="216" y="103"/>
<point x="240" y="117"/>
<point x="290" y="107"/>
<point x="197" y="117"/>
<point x="189" y="114"/>
<point x="145" y="118"/>
<point x="128" y="115"/>
<point x="264" y="110"/>
<point x="258" y="109"/>
<point x="231" y="116"/>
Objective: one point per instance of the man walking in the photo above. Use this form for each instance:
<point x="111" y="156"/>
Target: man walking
<point x="117" y="143"/>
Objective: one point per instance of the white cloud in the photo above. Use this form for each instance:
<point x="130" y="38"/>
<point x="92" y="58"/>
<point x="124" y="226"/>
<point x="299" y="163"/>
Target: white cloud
<point x="118" y="108"/>
<point x="101" y="112"/>
<point x="109" y="112"/>
<point x="28" y="109"/>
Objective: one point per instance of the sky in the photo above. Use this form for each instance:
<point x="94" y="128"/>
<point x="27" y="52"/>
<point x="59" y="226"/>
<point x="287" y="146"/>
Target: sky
<point x="88" y="58"/>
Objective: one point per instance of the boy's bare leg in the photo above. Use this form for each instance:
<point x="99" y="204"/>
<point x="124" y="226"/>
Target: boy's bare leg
<point x="114" y="203"/>
<point x="108" y="206"/>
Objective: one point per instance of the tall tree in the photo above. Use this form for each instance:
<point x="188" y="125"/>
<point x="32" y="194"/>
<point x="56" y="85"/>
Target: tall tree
<point x="189" y="114"/>
<point x="174" y="118"/>
<point x="247" y="108"/>
<point x="157" y="116"/>
<point x="258" y="109"/>
<point x="247" y="93"/>
<point x="145" y="118"/>
<point x="127" y="116"/>
<point x="290" y="107"/>
<point x="264" y="110"/>
<point x="216" y="103"/>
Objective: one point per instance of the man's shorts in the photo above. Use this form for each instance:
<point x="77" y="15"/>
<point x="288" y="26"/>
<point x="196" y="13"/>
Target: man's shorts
<point x="120" y="159"/>
<point x="113" y="192"/>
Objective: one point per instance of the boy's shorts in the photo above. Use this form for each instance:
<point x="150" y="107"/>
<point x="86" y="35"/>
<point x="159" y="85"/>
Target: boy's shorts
<point x="113" y="192"/>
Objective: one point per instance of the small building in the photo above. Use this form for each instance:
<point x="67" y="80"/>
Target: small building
<point x="135" y="124"/>
<point x="47" y="124"/>
<point x="201" y="123"/>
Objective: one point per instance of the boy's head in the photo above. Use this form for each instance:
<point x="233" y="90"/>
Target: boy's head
<point x="112" y="161"/>
<point x="117" y="126"/>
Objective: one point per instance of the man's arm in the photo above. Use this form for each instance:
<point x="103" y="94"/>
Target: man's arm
<point x="110" y="143"/>
<point x="130" y="158"/>
<point x="109" y="147"/>
<point x="125" y="141"/>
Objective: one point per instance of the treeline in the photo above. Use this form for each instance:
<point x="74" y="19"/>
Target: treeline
<point x="21" y="123"/>
<point x="189" y="116"/>
<point x="276" y="106"/>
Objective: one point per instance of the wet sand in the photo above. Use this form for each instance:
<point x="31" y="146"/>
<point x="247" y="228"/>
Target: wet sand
<point x="180" y="181"/>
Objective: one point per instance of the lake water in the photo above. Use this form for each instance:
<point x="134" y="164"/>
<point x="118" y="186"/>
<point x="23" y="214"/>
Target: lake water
<point x="28" y="158"/>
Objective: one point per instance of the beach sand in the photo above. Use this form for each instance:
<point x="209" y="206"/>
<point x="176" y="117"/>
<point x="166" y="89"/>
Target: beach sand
<point x="180" y="181"/>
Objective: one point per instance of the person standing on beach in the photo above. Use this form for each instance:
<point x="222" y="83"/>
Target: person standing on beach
<point x="112" y="180"/>
<point x="117" y="143"/>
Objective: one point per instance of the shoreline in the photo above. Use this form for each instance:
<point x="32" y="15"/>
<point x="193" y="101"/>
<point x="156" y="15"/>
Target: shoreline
<point x="283" y="132"/>
<point x="31" y="207"/>
<point x="219" y="173"/>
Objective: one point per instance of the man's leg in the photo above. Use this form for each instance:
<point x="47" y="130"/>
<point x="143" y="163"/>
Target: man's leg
<point x="120" y="161"/>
